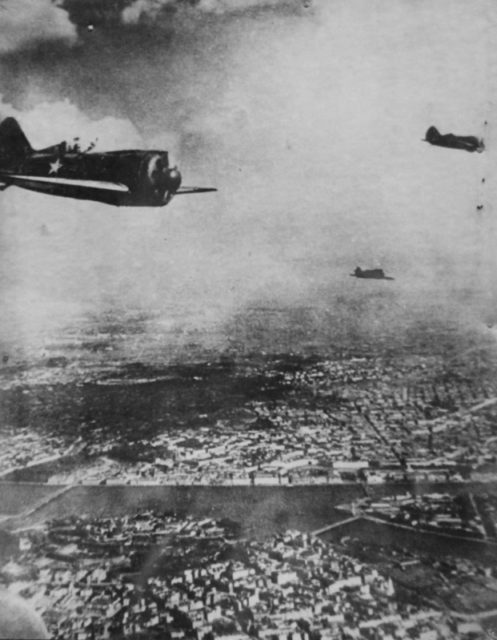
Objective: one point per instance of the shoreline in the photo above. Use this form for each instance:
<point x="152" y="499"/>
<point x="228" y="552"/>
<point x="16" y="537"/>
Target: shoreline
<point x="259" y="508"/>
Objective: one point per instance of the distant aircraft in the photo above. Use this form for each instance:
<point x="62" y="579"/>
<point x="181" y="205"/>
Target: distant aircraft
<point x="130" y="178"/>
<point x="372" y="274"/>
<point x="449" y="140"/>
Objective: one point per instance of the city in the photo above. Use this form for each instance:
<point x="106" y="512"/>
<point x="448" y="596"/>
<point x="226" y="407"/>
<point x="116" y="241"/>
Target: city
<point x="366" y="419"/>
<point x="150" y="575"/>
<point x="209" y="429"/>
<point x="409" y="440"/>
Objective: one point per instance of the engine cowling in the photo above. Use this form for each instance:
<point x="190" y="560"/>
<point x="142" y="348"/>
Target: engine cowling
<point x="161" y="182"/>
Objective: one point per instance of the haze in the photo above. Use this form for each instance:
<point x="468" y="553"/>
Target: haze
<point x="308" y="120"/>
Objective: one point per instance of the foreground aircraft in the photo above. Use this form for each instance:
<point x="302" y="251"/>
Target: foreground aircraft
<point x="467" y="143"/>
<point x="123" y="178"/>
<point x="371" y="274"/>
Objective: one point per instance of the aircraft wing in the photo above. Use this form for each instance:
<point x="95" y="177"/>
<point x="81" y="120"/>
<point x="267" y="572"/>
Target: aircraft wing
<point x="27" y="181"/>
<point x="185" y="190"/>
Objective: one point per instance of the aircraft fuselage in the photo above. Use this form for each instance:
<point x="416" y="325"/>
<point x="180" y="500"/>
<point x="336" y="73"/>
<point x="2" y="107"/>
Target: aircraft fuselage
<point x="145" y="176"/>
<point x="132" y="178"/>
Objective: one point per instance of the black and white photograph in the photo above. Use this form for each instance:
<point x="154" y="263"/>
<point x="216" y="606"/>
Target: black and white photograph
<point x="248" y="330"/>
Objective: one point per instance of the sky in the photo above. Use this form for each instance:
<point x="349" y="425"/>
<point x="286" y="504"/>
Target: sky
<point x="307" y="116"/>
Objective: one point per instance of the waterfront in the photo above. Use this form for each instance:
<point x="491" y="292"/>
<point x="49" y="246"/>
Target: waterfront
<point x="151" y="573"/>
<point x="268" y="444"/>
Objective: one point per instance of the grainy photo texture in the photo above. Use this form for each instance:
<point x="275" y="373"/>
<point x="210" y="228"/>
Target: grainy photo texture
<point x="248" y="339"/>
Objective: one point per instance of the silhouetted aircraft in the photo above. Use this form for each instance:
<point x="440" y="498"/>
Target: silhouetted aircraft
<point x="131" y="178"/>
<point x="372" y="274"/>
<point x="449" y="140"/>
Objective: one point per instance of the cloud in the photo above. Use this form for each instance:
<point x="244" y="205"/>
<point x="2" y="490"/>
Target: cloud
<point x="309" y="124"/>
<point x="150" y="9"/>
<point x="27" y="22"/>
<point x="51" y="122"/>
<point x="144" y="8"/>
<point x="234" y="6"/>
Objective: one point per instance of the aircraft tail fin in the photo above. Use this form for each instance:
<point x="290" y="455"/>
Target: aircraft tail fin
<point x="14" y="145"/>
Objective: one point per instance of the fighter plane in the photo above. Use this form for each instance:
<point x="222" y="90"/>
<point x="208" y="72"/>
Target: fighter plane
<point x="371" y="274"/>
<point x="449" y="140"/>
<point x="131" y="178"/>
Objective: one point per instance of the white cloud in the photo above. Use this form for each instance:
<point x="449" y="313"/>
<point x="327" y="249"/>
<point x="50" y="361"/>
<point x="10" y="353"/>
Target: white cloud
<point x="145" y="8"/>
<point x="51" y="122"/>
<point x="232" y="6"/>
<point x="27" y="21"/>
<point x="150" y="9"/>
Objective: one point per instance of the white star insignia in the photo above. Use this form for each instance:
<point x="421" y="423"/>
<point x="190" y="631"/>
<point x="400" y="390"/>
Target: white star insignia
<point x="54" y="167"/>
